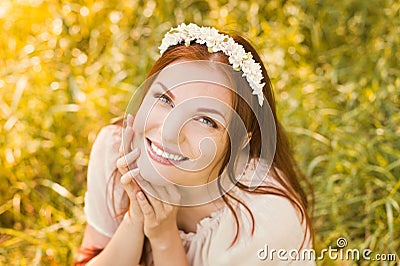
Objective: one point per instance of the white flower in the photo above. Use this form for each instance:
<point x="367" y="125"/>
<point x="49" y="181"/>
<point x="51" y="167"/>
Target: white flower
<point x="215" y="42"/>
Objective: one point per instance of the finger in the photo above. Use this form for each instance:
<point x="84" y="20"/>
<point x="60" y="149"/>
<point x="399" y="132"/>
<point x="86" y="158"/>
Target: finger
<point x="129" y="120"/>
<point x="131" y="157"/>
<point x="151" y="193"/>
<point x="128" y="180"/>
<point x="127" y="139"/>
<point x="162" y="194"/>
<point x="164" y="204"/>
<point x="122" y="165"/>
<point x="135" y="212"/>
<point x="127" y="136"/>
<point x="156" y="201"/>
<point x="134" y="207"/>
<point x="131" y="188"/>
<point x="127" y="162"/>
<point x="145" y="207"/>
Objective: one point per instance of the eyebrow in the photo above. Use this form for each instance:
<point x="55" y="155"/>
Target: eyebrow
<point x="206" y="110"/>
<point x="167" y="91"/>
<point x="212" y="111"/>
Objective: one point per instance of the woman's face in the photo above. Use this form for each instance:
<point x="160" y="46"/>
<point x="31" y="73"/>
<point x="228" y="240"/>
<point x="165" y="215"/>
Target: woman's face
<point x="181" y="124"/>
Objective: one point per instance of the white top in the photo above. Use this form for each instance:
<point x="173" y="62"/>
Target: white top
<point x="277" y="224"/>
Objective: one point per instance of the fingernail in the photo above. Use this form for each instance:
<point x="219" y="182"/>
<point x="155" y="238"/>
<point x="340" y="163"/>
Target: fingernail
<point x="140" y="195"/>
<point x="124" y="179"/>
<point x="130" y="118"/>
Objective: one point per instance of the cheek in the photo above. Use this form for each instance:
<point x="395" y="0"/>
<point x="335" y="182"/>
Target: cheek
<point x="146" y="119"/>
<point x="145" y="114"/>
<point x="205" y="145"/>
<point x="139" y="122"/>
<point x="196" y="139"/>
<point x="220" y="147"/>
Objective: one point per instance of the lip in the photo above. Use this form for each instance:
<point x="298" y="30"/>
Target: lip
<point x="158" y="158"/>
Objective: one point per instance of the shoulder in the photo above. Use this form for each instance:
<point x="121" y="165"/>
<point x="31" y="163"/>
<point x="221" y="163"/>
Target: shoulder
<point x="276" y="225"/>
<point x="104" y="153"/>
<point x="275" y="220"/>
<point x="275" y="217"/>
<point x="109" y="136"/>
<point x="102" y="199"/>
<point x="107" y="143"/>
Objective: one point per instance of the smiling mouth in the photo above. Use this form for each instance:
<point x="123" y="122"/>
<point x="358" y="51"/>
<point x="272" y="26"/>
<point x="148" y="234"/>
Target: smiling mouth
<point x="166" y="155"/>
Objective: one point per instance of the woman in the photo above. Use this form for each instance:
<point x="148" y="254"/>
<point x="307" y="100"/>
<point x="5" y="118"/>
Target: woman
<point x="202" y="172"/>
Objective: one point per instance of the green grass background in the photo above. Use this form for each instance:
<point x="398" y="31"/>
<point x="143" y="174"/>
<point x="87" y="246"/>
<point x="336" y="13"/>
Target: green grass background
<point x="68" y="67"/>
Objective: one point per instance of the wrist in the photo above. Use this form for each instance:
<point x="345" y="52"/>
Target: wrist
<point x="133" y="221"/>
<point x="163" y="240"/>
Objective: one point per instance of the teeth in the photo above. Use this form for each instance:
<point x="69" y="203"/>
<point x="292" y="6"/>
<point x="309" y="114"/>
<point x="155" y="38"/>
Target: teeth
<point x="159" y="152"/>
<point x="166" y="155"/>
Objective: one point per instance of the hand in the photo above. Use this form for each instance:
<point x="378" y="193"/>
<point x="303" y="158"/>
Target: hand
<point x="158" y="214"/>
<point x="128" y="156"/>
<point x="127" y="167"/>
<point x="134" y="214"/>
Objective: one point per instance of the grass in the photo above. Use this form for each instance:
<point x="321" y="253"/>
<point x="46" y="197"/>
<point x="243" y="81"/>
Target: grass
<point x="66" y="72"/>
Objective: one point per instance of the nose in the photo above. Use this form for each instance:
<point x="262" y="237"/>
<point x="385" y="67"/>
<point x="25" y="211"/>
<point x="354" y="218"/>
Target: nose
<point x="173" y="128"/>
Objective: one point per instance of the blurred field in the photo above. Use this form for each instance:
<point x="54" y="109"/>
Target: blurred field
<point x="68" y="67"/>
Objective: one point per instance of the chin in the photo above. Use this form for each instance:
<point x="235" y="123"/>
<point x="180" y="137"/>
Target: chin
<point x="150" y="173"/>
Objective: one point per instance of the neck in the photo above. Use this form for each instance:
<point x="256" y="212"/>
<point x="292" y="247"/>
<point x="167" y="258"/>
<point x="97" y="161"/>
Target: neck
<point x="203" y="194"/>
<point x="198" y="202"/>
<point x="189" y="217"/>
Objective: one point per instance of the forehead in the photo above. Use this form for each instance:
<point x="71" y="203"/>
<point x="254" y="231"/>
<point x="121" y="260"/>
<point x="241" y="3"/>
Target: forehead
<point x="188" y="79"/>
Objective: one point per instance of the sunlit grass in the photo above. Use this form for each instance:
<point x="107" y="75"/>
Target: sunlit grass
<point x="68" y="67"/>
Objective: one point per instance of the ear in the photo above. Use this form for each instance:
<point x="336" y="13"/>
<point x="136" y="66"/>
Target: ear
<point x="247" y="140"/>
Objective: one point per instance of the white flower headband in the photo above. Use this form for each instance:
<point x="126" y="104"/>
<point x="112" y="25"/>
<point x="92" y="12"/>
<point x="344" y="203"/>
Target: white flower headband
<point x="215" y="41"/>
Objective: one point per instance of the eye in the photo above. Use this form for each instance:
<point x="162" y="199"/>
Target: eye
<point x="209" y="122"/>
<point x="165" y="99"/>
